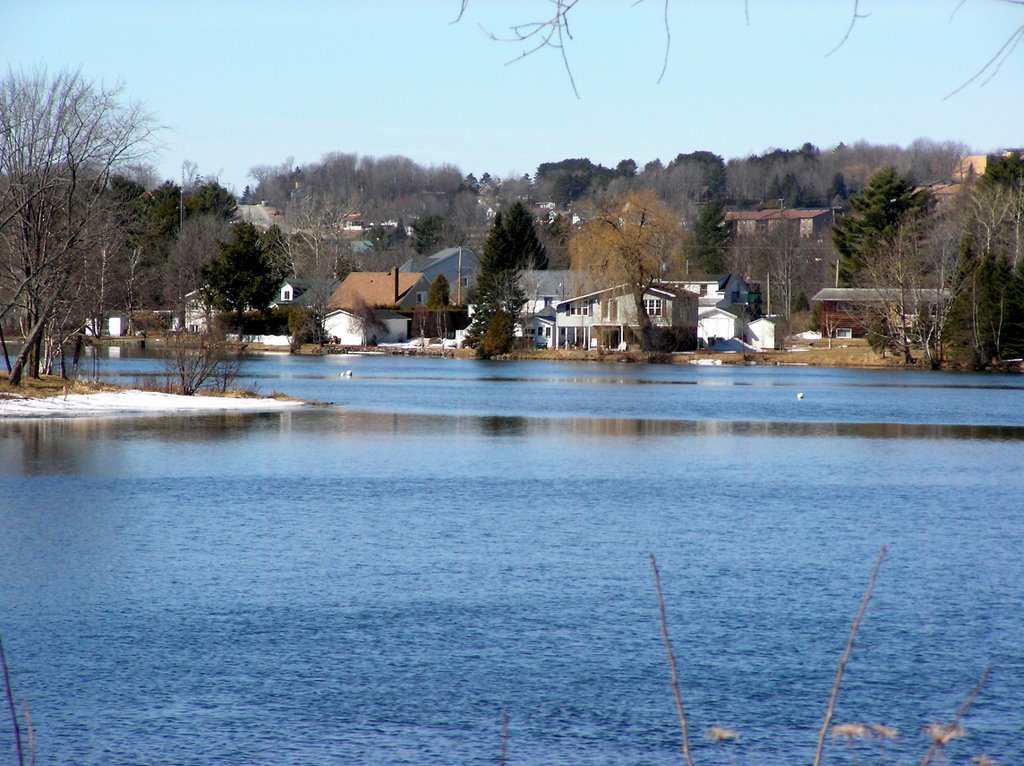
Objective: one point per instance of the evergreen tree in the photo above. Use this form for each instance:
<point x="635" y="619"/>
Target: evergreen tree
<point x="889" y="201"/>
<point x="243" y="276"/>
<point x="711" y="238"/>
<point x="525" y="248"/>
<point x="440" y="294"/>
<point x="427" y="234"/>
<point x="499" y="338"/>
<point x="497" y="283"/>
<point x="838" y="189"/>
<point x="211" y="198"/>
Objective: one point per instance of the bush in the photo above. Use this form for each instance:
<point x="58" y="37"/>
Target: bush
<point x="274" y="322"/>
<point x="499" y="338"/>
<point x="194" y="361"/>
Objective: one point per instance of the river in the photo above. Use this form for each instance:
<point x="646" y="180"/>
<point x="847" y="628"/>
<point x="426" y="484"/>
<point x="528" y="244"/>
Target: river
<point x="380" y="580"/>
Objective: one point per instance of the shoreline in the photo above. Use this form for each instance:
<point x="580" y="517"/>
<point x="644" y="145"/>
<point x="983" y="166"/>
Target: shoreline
<point x="131" y="401"/>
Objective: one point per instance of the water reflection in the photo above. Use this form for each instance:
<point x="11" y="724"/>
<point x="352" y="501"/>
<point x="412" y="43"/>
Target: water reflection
<point x="48" y="445"/>
<point x="40" y="446"/>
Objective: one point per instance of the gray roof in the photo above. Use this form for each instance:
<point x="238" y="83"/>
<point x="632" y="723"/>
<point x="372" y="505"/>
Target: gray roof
<point x="425" y="262"/>
<point x="553" y="282"/>
<point x="876" y="294"/>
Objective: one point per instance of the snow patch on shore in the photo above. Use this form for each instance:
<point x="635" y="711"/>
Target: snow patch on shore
<point x="130" y="402"/>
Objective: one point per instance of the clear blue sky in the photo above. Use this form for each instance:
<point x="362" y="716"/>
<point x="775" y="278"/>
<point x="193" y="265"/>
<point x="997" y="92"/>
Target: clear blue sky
<point x="239" y="84"/>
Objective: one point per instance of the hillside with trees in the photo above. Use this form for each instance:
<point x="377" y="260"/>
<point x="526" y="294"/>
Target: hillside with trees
<point x="904" y="216"/>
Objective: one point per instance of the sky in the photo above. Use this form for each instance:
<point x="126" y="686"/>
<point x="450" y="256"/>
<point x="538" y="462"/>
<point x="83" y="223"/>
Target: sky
<point x="240" y="84"/>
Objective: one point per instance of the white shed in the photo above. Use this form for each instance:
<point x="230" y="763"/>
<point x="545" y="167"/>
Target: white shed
<point x="714" y="322"/>
<point x="762" y="334"/>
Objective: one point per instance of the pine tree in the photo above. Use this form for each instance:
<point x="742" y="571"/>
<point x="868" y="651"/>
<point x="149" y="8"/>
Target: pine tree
<point x="525" y="248"/>
<point x="440" y="294"/>
<point x="889" y="201"/>
<point x="497" y="282"/>
<point x="711" y="238"/>
<point x="243" y="276"/>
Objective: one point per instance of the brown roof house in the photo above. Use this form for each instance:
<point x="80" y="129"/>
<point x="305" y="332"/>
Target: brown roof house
<point x="811" y="223"/>
<point x="372" y="307"/>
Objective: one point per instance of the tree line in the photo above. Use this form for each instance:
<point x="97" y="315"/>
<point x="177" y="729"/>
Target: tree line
<point x="84" y="230"/>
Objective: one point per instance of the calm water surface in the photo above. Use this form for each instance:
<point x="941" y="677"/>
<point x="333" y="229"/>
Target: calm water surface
<point x="381" y="580"/>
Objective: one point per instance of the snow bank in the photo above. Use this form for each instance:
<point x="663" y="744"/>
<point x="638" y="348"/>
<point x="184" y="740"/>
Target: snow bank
<point x="129" y="402"/>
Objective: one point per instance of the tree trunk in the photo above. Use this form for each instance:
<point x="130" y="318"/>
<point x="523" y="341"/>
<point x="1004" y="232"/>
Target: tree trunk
<point x="31" y="347"/>
<point x="643" y="320"/>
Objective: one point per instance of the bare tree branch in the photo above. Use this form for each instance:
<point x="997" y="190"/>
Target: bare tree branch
<point x="947" y="732"/>
<point x="555" y="32"/>
<point x="846" y="657"/>
<point x="853" y="21"/>
<point x="672" y="665"/>
<point x="994" y="64"/>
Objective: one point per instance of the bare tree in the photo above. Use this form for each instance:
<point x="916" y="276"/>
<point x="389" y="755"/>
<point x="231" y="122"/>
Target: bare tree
<point x="195" y="246"/>
<point x="193" y="362"/>
<point x="631" y="241"/>
<point x="61" y="140"/>
<point x="553" y="31"/>
<point x="896" y="273"/>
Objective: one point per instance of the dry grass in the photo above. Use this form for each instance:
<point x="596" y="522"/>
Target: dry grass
<point x="854" y="353"/>
<point x="54" y="385"/>
<point x="50" y="385"/>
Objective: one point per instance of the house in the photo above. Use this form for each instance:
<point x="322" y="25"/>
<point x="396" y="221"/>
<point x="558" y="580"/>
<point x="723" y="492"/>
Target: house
<point x="850" y="312"/>
<point x="306" y="293"/>
<point x="366" y="328"/>
<point x="811" y="223"/>
<point x="197" y="315"/>
<point x="543" y="289"/>
<point x="608" y="318"/>
<point x="367" y="307"/>
<point x="459" y="265"/>
<point x="381" y="289"/>
<point x="727" y="291"/>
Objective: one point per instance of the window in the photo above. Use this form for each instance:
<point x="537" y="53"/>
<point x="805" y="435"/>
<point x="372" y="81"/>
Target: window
<point x="844" y="332"/>
<point x="653" y="306"/>
<point x="421" y="298"/>
<point x="580" y="309"/>
<point x="286" y="293"/>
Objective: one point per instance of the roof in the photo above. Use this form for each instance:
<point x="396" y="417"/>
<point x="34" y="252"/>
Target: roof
<point x="307" y="291"/>
<point x="425" y="262"/>
<point x="706" y="311"/>
<point x="375" y="288"/>
<point x="542" y="282"/>
<point x="656" y="289"/>
<point x="383" y="315"/>
<point x="788" y="214"/>
<point x="872" y="294"/>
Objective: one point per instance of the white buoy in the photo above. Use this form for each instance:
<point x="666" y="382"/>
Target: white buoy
<point x="800" y="395"/>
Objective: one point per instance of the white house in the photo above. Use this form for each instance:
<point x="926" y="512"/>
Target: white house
<point x="378" y="326"/>
<point x="543" y="289"/>
<point x="608" y="318"/>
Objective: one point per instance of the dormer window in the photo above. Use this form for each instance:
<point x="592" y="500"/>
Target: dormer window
<point x="286" y="293"/>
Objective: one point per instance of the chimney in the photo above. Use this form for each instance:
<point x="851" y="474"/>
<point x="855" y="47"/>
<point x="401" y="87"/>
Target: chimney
<point x="396" y="285"/>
